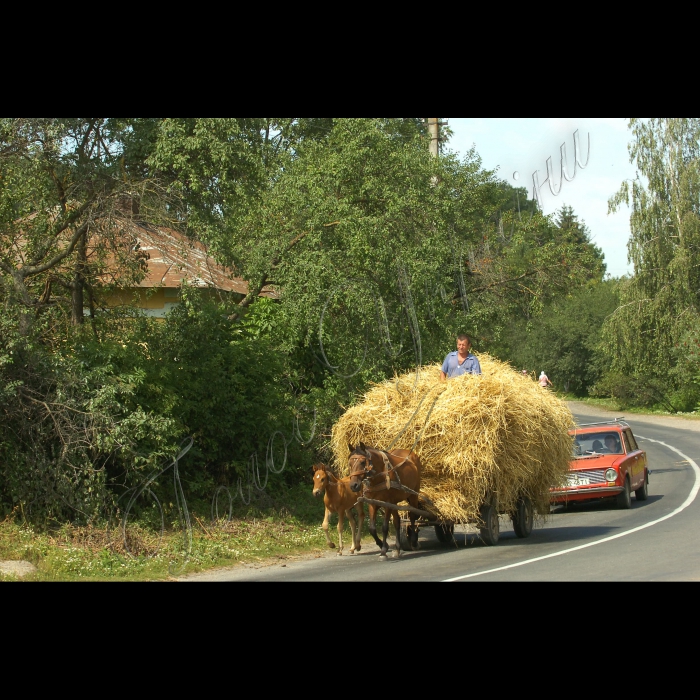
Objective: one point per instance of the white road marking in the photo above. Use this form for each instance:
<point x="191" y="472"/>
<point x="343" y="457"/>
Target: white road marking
<point x="691" y="497"/>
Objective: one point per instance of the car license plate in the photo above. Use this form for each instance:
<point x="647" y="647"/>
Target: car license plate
<point x="578" y="481"/>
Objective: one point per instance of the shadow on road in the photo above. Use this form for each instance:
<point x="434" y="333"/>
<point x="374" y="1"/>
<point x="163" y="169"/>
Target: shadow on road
<point x="430" y="546"/>
<point x="604" y="504"/>
<point x="573" y="533"/>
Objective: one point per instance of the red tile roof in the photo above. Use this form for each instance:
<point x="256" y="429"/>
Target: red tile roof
<point x="172" y="258"/>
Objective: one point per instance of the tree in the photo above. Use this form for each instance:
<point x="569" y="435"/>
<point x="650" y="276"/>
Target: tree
<point x="519" y="264"/>
<point x="565" y="340"/>
<point x="306" y="204"/>
<point x="63" y="184"/>
<point x="660" y="303"/>
<point x="220" y="168"/>
<point x="577" y="231"/>
<point x="380" y="254"/>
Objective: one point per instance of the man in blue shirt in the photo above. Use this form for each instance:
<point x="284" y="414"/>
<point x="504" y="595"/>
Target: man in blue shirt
<point x="461" y="361"/>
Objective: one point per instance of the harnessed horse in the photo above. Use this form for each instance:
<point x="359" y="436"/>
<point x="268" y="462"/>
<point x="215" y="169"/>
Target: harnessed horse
<point x="391" y="477"/>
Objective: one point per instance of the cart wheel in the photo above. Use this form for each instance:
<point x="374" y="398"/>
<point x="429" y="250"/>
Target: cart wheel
<point x="445" y="533"/>
<point x="406" y="544"/>
<point x="489" y="530"/>
<point x="523" y="518"/>
<point x="405" y="539"/>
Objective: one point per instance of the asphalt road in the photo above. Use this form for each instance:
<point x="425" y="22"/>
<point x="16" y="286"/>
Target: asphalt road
<point x="655" y="540"/>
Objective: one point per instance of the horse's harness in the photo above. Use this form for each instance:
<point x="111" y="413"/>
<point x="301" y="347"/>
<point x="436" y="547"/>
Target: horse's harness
<point x="388" y="471"/>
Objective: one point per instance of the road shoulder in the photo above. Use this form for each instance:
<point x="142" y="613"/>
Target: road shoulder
<point x="585" y="409"/>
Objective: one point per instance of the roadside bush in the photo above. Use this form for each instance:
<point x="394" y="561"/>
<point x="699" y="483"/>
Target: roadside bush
<point x="225" y="385"/>
<point x="686" y="372"/>
<point x="71" y="422"/>
<point x="678" y="391"/>
<point x="630" y="392"/>
<point x="95" y="415"/>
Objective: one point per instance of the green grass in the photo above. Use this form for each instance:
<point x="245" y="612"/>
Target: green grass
<point x="281" y="527"/>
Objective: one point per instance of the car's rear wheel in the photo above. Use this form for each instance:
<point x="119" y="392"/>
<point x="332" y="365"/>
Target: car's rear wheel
<point x="624" y="499"/>
<point x="642" y="493"/>
<point x="523" y="518"/>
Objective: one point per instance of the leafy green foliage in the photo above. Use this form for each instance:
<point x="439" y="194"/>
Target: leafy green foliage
<point x="227" y="387"/>
<point x="65" y="184"/>
<point x="660" y="302"/>
<point x="379" y="253"/>
<point x="632" y="391"/>
<point x="71" y="422"/>
<point x="93" y="418"/>
<point x="565" y="340"/>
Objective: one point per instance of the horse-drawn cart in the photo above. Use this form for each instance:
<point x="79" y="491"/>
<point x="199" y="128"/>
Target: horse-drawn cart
<point x="487" y="522"/>
<point x="489" y="447"/>
<point x="387" y="475"/>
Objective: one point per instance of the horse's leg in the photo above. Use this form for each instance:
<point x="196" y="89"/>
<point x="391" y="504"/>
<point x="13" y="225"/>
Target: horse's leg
<point x="373" y="524"/>
<point x="360" y="523"/>
<point x="325" y="528"/>
<point x="341" y="522"/>
<point x="413" y="528"/>
<point x="397" y="526"/>
<point x="385" y="532"/>
<point x="353" y="529"/>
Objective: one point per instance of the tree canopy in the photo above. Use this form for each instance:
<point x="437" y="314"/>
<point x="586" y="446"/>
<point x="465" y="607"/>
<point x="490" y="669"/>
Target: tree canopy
<point x="380" y="253"/>
<point x="659" y="304"/>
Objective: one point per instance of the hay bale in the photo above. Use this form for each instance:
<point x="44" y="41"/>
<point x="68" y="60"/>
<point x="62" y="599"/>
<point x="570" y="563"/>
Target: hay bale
<point x="498" y="433"/>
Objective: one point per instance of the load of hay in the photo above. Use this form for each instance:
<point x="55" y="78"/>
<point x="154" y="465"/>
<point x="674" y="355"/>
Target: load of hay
<point x="499" y="433"/>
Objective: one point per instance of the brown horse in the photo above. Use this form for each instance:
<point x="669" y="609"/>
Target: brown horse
<point x="375" y="473"/>
<point x="338" y="498"/>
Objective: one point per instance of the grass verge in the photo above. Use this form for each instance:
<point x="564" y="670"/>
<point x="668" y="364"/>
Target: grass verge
<point x="282" y="527"/>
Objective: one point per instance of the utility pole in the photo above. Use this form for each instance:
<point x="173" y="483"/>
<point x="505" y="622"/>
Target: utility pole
<point x="434" y="131"/>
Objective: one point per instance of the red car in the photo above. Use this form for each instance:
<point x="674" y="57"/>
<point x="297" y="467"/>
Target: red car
<point x="607" y="463"/>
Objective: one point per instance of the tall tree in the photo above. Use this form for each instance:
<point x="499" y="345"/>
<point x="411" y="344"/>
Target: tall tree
<point x="660" y="303"/>
<point x="568" y="223"/>
<point x="564" y="341"/>
<point x="350" y="207"/>
<point x="63" y="183"/>
<point x="220" y="168"/>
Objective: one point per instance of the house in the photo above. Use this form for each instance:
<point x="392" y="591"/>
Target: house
<point x="134" y="263"/>
<point x="170" y="259"/>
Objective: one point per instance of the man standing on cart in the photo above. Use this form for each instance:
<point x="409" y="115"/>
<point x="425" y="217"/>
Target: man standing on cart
<point x="461" y="361"/>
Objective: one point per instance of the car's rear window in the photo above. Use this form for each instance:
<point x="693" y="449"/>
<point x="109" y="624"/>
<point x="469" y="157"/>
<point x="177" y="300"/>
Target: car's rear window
<point x="605" y="442"/>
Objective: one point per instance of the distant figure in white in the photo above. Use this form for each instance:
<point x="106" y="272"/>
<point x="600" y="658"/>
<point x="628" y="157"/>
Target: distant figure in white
<point x="544" y="380"/>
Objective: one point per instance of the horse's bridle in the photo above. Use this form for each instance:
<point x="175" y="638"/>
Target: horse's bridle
<point x="368" y="458"/>
<point x="388" y="470"/>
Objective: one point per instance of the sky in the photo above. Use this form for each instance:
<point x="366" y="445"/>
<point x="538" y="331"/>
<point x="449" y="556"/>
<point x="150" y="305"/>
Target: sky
<point x="521" y="147"/>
